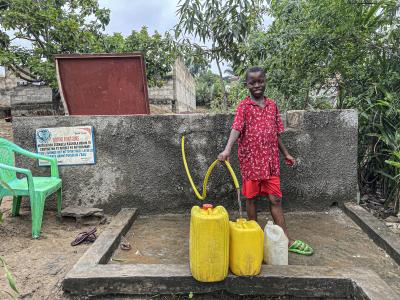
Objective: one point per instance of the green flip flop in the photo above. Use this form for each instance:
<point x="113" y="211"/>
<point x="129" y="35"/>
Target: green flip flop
<point x="300" y="247"/>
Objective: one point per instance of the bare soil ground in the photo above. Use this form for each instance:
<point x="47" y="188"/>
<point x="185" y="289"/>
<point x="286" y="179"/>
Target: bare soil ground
<point x="5" y="129"/>
<point x="39" y="266"/>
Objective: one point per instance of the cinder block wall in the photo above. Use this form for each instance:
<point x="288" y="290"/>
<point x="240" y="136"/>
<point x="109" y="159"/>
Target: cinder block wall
<point x="178" y="94"/>
<point x="185" y="86"/>
<point x="33" y="100"/>
<point x="139" y="161"/>
<point x="163" y="96"/>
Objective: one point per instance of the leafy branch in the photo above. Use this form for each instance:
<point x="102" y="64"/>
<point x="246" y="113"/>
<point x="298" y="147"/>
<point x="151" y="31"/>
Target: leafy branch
<point x="10" y="279"/>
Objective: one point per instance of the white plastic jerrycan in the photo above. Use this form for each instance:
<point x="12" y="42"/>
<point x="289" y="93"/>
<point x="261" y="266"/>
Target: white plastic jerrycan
<point x="275" y="245"/>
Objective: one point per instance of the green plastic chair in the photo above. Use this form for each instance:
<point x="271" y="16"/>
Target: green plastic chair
<point x="37" y="188"/>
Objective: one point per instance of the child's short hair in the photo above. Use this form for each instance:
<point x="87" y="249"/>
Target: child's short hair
<point x="254" y="70"/>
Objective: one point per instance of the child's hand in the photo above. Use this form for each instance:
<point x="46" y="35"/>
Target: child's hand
<point x="289" y="160"/>
<point x="224" y="155"/>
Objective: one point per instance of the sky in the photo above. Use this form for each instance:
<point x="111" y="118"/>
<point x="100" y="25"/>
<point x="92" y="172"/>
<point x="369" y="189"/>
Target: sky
<point x="127" y="15"/>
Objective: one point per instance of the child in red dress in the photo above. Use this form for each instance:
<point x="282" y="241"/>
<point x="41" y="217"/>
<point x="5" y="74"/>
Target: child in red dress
<point x="257" y="127"/>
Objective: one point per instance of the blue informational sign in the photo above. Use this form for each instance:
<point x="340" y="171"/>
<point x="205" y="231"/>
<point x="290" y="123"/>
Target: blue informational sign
<point x="69" y="145"/>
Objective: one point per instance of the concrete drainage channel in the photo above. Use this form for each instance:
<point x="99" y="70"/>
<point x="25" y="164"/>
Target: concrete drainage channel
<point x="93" y="276"/>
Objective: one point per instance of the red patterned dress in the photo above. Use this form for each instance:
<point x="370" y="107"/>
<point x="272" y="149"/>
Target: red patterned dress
<point x="258" y="151"/>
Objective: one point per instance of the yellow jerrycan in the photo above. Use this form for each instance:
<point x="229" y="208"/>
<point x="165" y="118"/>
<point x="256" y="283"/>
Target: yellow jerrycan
<point x="246" y="247"/>
<point x="209" y="243"/>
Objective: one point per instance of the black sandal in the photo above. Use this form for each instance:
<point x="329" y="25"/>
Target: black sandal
<point x="86" y="236"/>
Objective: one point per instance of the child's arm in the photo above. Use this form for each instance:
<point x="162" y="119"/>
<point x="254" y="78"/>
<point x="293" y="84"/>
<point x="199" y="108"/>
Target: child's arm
<point x="224" y="155"/>
<point x="289" y="160"/>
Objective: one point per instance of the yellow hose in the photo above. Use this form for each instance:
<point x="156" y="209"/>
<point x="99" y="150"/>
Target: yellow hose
<point x="210" y="169"/>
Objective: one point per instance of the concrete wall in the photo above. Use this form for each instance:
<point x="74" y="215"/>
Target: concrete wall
<point x="139" y="160"/>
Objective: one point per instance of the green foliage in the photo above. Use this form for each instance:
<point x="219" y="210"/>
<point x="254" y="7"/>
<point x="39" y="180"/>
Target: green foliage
<point x="223" y="24"/>
<point x="52" y="27"/>
<point x="206" y="85"/>
<point x="47" y="27"/>
<point x="342" y="54"/>
<point x="315" y="46"/>
<point x="10" y="279"/>
<point x="237" y="92"/>
<point x="160" y="53"/>
<point x="209" y="91"/>
<point x="379" y="149"/>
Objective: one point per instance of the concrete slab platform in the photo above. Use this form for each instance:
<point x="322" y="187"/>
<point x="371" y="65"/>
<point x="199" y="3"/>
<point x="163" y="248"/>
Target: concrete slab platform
<point x="375" y="228"/>
<point x="341" y="275"/>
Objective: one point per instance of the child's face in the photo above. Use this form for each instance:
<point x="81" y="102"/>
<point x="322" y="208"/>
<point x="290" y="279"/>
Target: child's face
<point x="256" y="84"/>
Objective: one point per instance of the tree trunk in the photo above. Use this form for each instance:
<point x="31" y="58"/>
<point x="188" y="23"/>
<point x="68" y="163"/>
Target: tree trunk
<point x="307" y="99"/>
<point x="225" y="98"/>
<point x="340" y="97"/>
<point x="397" y="200"/>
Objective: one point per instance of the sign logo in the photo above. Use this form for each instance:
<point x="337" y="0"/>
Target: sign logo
<point x="43" y="135"/>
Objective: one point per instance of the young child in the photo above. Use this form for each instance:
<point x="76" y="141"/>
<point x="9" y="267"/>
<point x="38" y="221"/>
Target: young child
<point x="257" y="127"/>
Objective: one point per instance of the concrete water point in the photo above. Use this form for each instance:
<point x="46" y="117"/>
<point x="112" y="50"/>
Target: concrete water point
<point x="346" y="263"/>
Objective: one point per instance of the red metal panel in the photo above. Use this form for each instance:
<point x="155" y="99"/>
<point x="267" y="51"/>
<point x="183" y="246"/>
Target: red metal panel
<point x="103" y="84"/>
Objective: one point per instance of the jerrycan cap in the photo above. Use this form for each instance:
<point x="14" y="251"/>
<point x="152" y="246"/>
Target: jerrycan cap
<point x="207" y="206"/>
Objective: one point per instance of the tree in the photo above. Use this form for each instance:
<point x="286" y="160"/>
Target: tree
<point x="223" y="24"/>
<point x="46" y="28"/>
<point x="50" y="27"/>
<point x="318" y="45"/>
<point x="160" y="53"/>
<point x="351" y="47"/>
<point x="207" y="87"/>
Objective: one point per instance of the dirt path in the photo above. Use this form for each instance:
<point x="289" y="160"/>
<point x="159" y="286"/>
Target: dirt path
<point x="39" y="266"/>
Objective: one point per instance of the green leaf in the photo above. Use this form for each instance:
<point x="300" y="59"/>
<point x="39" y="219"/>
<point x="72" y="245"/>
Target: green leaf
<point x="393" y="163"/>
<point x="386" y="174"/>
<point x="9" y="277"/>
<point x="11" y="281"/>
